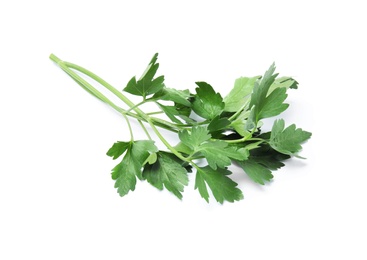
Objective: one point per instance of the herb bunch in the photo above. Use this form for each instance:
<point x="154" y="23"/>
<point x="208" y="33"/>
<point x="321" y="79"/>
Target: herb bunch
<point x="213" y="130"/>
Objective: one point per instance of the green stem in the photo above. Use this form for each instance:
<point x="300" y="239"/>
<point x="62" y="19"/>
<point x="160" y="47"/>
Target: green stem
<point x="165" y="142"/>
<point x="155" y="113"/>
<point x="171" y="125"/>
<point x="121" y="96"/>
<point x="129" y="126"/>
<point x="145" y="129"/>
<point x="239" y="111"/>
<point x="89" y="88"/>
<point x="194" y="165"/>
<point x="138" y="104"/>
<point x="102" y="82"/>
<point x="66" y="67"/>
<point x="243" y="139"/>
<point x="83" y="83"/>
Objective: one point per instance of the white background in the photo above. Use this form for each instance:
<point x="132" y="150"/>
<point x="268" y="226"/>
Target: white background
<point x="57" y="199"/>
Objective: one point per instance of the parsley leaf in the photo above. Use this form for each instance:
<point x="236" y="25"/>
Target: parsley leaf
<point x="118" y="149"/>
<point x="240" y="94"/>
<point x="207" y="103"/>
<point x="261" y="162"/>
<point x="219" y="154"/>
<point x="221" y="186"/>
<point x="288" y="140"/>
<point x="171" y="94"/>
<point x="283" y="82"/>
<point x="167" y="171"/>
<point x="239" y="124"/>
<point x="218" y="123"/>
<point x="198" y="135"/>
<point x="130" y="167"/>
<point x="146" y="85"/>
<point x="257" y="172"/>
<point x="264" y="154"/>
<point x="261" y="89"/>
<point x="265" y="103"/>
<point x="273" y="104"/>
<point x="171" y="112"/>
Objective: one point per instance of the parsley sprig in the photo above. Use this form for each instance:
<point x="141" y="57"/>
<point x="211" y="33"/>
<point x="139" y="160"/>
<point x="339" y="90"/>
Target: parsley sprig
<point x="211" y="129"/>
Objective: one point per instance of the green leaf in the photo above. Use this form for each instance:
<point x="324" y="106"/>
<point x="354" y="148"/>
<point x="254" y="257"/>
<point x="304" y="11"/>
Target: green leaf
<point x="251" y="121"/>
<point x="283" y="82"/>
<point x="174" y="95"/>
<point x="124" y="174"/>
<point x="193" y="139"/>
<point x="146" y="85"/>
<point x="267" y="156"/>
<point x="130" y="167"/>
<point x="171" y="112"/>
<point x="152" y="158"/>
<point x="219" y="154"/>
<point x="184" y="110"/>
<point x="240" y="123"/>
<point x="218" y="124"/>
<point x="273" y="104"/>
<point x="207" y="103"/>
<point x="261" y="88"/>
<point x="257" y="172"/>
<point x="183" y="148"/>
<point x="258" y="97"/>
<point x="201" y="185"/>
<point x="118" y="149"/>
<point x="167" y="172"/>
<point x="239" y="96"/>
<point x="184" y="113"/>
<point x="288" y="140"/>
<point x="263" y="159"/>
<point x="222" y="187"/>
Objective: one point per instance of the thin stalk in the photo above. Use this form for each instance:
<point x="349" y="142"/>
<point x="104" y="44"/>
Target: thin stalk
<point x="83" y="83"/>
<point x="117" y="93"/>
<point x="90" y="89"/>
<point x="155" y="113"/>
<point x="140" y="103"/>
<point x="145" y="129"/>
<point x="239" y="111"/>
<point x="129" y="126"/>
<point x="165" y="142"/>
<point x="66" y="67"/>
<point x="107" y="86"/>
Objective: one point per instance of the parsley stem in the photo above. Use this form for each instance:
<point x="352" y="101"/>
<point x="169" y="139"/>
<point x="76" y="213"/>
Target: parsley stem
<point x="129" y="126"/>
<point x="83" y="83"/>
<point x="154" y="113"/>
<point x="102" y="82"/>
<point x="194" y="165"/>
<point x="88" y="87"/>
<point x="66" y="67"/>
<point x="138" y="104"/>
<point x="239" y="111"/>
<point x="243" y="139"/>
<point x="172" y="126"/>
<point x="145" y="129"/>
<point x="165" y="142"/>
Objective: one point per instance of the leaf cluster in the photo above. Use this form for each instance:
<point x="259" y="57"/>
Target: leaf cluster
<point x="213" y="132"/>
<point x="219" y="131"/>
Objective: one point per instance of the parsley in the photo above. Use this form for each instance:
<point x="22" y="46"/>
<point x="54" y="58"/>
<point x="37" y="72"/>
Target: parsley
<point x="217" y="131"/>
